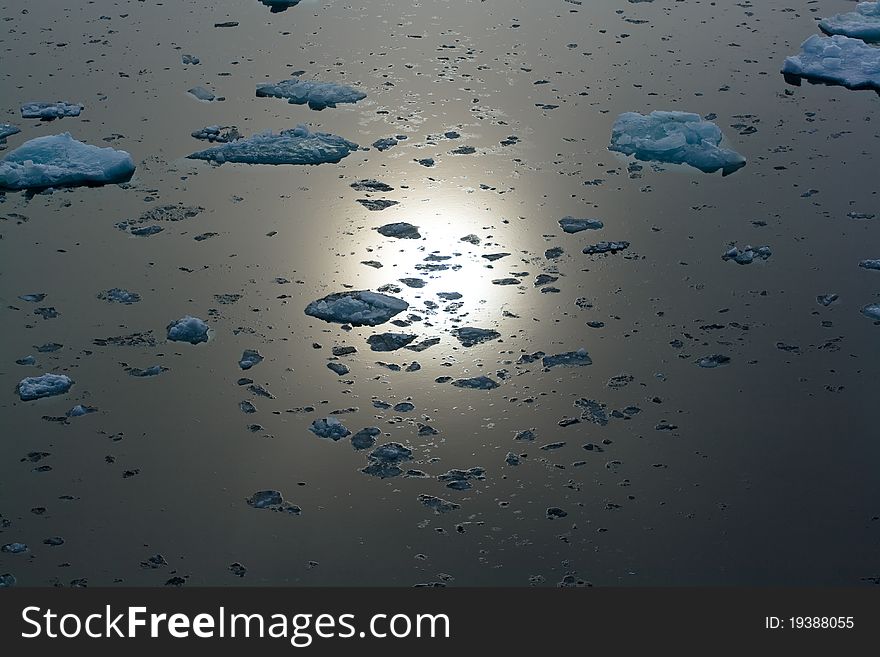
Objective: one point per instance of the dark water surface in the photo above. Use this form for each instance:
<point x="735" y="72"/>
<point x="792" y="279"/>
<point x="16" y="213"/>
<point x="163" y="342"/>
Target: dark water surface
<point x="762" y="471"/>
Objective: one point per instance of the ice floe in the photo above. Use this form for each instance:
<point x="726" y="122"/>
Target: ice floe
<point x="329" y="428"/>
<point x="476" y="383"/>
<point x="188" y="329"/>
<point x="295" y="146"/>
<point x="470" y="336"/>
<point x="49" y="111"/>
<point x="317" y="95"/>
<point x="870" y="264"/>
<point x="400" y="230"/>
<point x="273" y="501"/>
<point x="249" y="358"/>
<point x="835" y="60"/>
<point x="276" y="6"/>
<point x="747" y="254"/>
<point x="676" y="138"/>
<point x="45" y="385"/>
<point x="605" y="247"/>
<point x="572" y="225"/>
<point x="119" y="295"/>
<point x="568" y="359"/>
<point x="863" y="23"/>
<point x="872" y="311"/>
<point x="359" y="308"/>
<point x="390" y="341"/>
<point x="385" y="460"/>
<point x="217" y="133"/>
<point x="62" y="161"/>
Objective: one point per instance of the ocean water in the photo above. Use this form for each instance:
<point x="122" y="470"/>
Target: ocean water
<point x="761" y="471"/>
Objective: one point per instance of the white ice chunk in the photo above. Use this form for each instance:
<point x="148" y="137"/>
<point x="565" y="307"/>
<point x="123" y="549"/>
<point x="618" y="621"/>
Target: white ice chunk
<point x="674" y="137"/>
<point x="872" y="311"/>
<point x="317" y="94"/>
<point x="188" y="329"/>
<point x="835" y="60"/>
<point x="863" y="23"/>
<point x="62" y="161"/>
<point x="49" y="111"/>
<point x="7" y="129"/>
<point x="45" y="385"/>
<point x="360" y="307"/>
<point x="295" y="146"/>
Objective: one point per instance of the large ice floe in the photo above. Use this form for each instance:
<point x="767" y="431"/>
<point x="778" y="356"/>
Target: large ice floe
<point x="835" y="60"/>
<point x="317" y="95"/>
<point x="359" y="308"/>
<point x="49" y="111"/>
<point x="863" y="23"/>
<point x="188" y="329"/>
<point x="295" y="146"/>
<point x="675" y="138"/>
<point x="45" y="385"/>
<point x="62" y="161"/>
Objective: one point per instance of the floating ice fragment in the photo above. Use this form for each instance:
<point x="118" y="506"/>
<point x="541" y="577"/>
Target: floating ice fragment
<point x="470" y="336"/>
<point x="329" y="428"/>
<point x="274" y="501"/>
<point x="295" y="146"/>
<point x="568" y="359"/>
<point x="45" y="385"/>
<point x="339" y="368"/>
<point x="62" y="161"/>
<point x="747" y="254"/>
<point x="385" y="460"/>
<point x="50" y="111"/>
<point x="365" y="438"/>
<point x="827" y="299"/>
<point x="400" y="230"/>
<point x="119" y="295"/>
<point x="870" y="264"/>
<point x="863" y="23"/>
<point x="33" y="298"/>
<point x="188" y="329"/>
<point x="606" y="247"/>
<point x="249" y="358"/>
<point x="715" y="360"/>
<point x="6" y="130"/>
<point x="437" y="504"/>
<point x="359" y="308"/>
<point x="370" y="185"/>
<point x="14" y="548"/>
<point x="674" y="137"/>
<point x="572" y="225"/>
<point x="872" y="311"/>
<point x="79" y="410"/>
<point x="202" y="94"/>
<point x="389" y="341"/>
<point x="476" y="383"/>
<point x="153" y="370"/>
<point x="276" y="6"/>
<point x="835" y="60"/>
<point x="317" y="95"/>
<point x="217" y="133"/>
<point x="7" y="580"/>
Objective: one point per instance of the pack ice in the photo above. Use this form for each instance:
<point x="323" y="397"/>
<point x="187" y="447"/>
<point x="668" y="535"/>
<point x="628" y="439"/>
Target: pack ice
<point x="49" y="111"/>
<point x="835" y="60"/>
<point x="295" y="146"/>
<point x="359" y="308"/>
<point x="676" y="138"/>
<point x="863" y="23"/>
<point x="62" y="161"/>
<point x="45" y="385"/>
<point x="316" y="94"/>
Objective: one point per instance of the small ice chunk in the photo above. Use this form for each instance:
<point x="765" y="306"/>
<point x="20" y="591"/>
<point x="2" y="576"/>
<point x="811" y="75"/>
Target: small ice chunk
<point x="385" y="143"/>
<point x="568" y="359"/>
<point x="713" y="361"/>
<point x="249" y="358"/>
<point x="390" y="341"/>
<point x="272" y="500"/>
<point x="863" y="23"/>
<point x="572" y="225"/>
<point x="62" y="161"/>
<point x="476" y="383"/>
<point x="49" y="111"/>
<point x="316" y="94"/>
<point x="747" y="254"/>
<point x="437" y="504"/>
<point x="370" y="185"/>
<point x="470" y="336"/>
<point x="870" y="264"/>
<point x="365" y="438"/>
<point x="7" y="581"/>
<point x="835" y="60"/>
<point x="329" y="428"/>
<point x="872" y="311"/>
<point x="27" y="360"/>
<point x="827" y="299"/>
<point x="217" y="133"/>
<point x="385" y="460"/>
<point x="79" y="410"/>
<point x="400" y="230"/>
<point x="188" y="329"/>
<point x="605" y="247"/>
<point x="676" y="138"/>
<point x="7" y="130"/>
<point x="359" y="308"/>
<point x="153" y="370"/>
<point x="45" y="385"/>
<point x="119" y="295"/>
<point x="295" y="146"/>
<point x="189" y="59"/>
<point x="14" y="548"/>
<point x="33" y="298"/>
<point x="202" y="94"/>
<point x="339" y="368"/>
